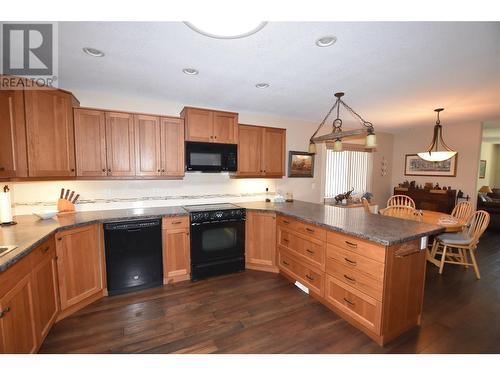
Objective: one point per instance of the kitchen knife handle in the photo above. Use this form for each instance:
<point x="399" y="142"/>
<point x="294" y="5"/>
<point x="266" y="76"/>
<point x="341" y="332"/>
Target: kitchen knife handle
<point x="71" y="195"/>
<point x="67" y="194"/>
<point x="76" y="198"/>
<point x="62" y="193"/>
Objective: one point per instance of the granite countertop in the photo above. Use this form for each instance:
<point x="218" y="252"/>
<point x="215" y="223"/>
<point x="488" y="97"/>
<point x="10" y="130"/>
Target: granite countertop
<point x="30" y="231"/>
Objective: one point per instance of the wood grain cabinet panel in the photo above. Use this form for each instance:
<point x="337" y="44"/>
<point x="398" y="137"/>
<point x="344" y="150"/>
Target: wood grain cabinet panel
<point x="49" y="132"/>
<point x="147" y="145"/>
<point x="13" y="157"/>
<point x="225" y="127"/>
<point x="78" y="265"/>
<point x="260" y="241"/>
<point x="250" y="151"/>
<point x="176" y="250"/>
<point x="17" y="320"/>
<point x="120" y="144"/>
<point x="206" y="125"/>
<point x="274" y="152"/>
<point x="172" y="146"/>
<point x="90" y="143"/>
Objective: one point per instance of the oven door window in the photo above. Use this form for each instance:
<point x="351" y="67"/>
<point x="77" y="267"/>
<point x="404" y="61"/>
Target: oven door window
<point x="219" y="239"/>
<point x="205" y="159"/>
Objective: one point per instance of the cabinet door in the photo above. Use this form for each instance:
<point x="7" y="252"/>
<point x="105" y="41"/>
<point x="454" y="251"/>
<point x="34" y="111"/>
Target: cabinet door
<point x="225" y="128"/>
<point x="78" y="265"/>
<point x="172" y="147"/>
<point x="147" y="145"/>
<point x="274" y="152"/>
<point x="120" y="145"/>
<point x="250" y="150"/>
<point x="13" y="158"/>
<point x="45" y="293"/>
<point x="176" y="255"/>
<point x="90" y="143"/>
<point x="199" y="125"/>
<point x="260" y="244"/>
<point x="49" y="132"/>
<point x="17" y="325"/>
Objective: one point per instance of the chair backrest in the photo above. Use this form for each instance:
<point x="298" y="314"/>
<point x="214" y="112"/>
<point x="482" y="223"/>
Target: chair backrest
<point x="400" y="200"/>
<point x="477" y="225"/>
<point x="366" y="205"/>
<point x="403" y="212"/>
<point x="463" y="211"/>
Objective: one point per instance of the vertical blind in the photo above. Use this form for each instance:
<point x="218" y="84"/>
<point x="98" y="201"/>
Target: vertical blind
<point x="346" y="170"/>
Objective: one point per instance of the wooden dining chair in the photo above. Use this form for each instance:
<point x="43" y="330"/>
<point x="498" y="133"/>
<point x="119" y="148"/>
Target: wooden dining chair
<point x="401" y="200"/>
<point x="456" y="247"/>
<point x="403" y="212"/>
<point x="366" y="205"/>
<point x="463" y="211"/>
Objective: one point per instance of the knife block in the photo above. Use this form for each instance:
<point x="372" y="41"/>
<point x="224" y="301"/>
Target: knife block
<point x="64" y="207"/>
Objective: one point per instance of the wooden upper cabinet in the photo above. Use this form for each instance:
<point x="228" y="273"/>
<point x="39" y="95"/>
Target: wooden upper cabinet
<point x="260" y="246"/>
<point x="172" y="146"/>
<point x="90" y="143"/>
<point x="17" y="323"/>
<point x="225" y="127"/>
<point x="13" y="158"/>
<point x="250" y="150"/>
<point x="205" y="125"/>
<point x="120" y="144"/>
<point x="78" y="264"/>
<point x="261" y="151"/>
<point x="49" y="133"/>
<point x="274" y="152"/>
<point x="147" y="145"/>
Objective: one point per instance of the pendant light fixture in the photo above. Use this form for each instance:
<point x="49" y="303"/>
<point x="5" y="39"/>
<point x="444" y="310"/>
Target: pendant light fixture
<point x="432" y="153"/>
<point x="337" y="133"/>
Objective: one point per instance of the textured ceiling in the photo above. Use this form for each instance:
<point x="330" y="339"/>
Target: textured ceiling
<point x="394" y="74"/>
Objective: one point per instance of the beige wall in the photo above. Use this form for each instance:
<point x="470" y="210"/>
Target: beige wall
<point x="490" y="153"/>
<point x="497" y="167"/>
<point x="464" y="138"/>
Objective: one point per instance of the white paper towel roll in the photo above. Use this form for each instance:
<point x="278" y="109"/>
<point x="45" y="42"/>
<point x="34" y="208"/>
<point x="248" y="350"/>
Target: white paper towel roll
<point x="5" y="206"/>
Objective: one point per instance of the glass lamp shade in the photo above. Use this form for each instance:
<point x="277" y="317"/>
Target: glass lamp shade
<point x="337" y="145"/>
<point x="312" y="148"/>
<point x="371" y="141"/>
<point x="437" y="155"/>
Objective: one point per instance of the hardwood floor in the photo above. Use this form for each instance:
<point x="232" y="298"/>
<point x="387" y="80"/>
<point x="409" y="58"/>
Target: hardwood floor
<point x="258" y="312"/>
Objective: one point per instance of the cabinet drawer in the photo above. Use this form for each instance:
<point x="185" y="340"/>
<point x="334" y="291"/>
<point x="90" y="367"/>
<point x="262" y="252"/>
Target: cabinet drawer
<point x="359" y="306"/>
<point x="354" y="261"/>
<point x="356" y="279"/>
<point x="303" y="228"/>
<point x="176" y="222"/>
<point x="42" y="251"/>
<point x="287" y="222"/>
<point x="310" y="277"/>
<point x="309" y="249"/>
<point x="365" y="248"/>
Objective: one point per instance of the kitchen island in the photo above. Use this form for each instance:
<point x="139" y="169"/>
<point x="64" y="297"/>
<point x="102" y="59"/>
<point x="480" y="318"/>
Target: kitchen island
<point x="369" y="269"/>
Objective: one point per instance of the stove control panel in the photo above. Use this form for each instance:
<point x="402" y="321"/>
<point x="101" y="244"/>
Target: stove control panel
<point x="216" y="216"/>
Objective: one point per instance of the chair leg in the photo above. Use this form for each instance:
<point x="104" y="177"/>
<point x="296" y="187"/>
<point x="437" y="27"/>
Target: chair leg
<point x="474" y="263"/>
<point x="465" y="257"/>
<point x="443" y="256"/>
<point x="434" y="248"/>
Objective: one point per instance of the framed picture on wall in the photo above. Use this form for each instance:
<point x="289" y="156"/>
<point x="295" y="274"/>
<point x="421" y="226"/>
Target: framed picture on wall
<point x="300" y="164"/>
<point x="482" y="168"/>
<point x="416" y="166"/>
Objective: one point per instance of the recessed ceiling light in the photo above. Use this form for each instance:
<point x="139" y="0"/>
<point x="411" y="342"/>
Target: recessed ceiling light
<point x="326" y="41"/>
<point x="190" y="71"/>
<point x="226" y="30"/>
<point x="262" y="85"/>
<point x="93" y="52"/>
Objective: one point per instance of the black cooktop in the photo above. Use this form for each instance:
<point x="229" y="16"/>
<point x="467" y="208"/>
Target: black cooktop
<point x="210" y="207"/>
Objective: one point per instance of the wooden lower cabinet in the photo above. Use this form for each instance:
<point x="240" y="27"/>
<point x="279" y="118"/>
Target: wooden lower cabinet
<point x="176" y="249"/>
<point x="378" y="289"/>
<point x="79" y="265"/>
<point x="260" y="241"/>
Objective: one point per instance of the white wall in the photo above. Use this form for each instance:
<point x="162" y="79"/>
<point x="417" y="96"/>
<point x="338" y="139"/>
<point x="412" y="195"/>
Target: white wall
<point x="463" y="138"/>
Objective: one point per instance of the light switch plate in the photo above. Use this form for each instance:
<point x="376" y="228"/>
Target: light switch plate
<point x="423" y="243"/>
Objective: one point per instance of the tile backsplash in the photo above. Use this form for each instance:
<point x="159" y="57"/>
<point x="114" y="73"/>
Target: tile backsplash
<point x="195" y="188"/>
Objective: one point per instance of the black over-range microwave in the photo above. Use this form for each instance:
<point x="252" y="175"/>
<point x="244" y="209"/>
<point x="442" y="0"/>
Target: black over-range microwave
<point x="211" y="157"/>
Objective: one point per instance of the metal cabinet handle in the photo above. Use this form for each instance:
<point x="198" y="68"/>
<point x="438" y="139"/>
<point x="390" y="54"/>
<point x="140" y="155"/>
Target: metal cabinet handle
<point x="176" y="222"/>
<point x="72" y="169"/>
<point x="285" y="263"/>
<point x="2" y="169"/>
<point x="350" y="261"/>
<point x="285" y="240"/>
<point x="4" y="311"/>
<point x="349" y="302"/>
<point x="285" y="221"/>
<point x="104" y="169"/>
<point x="109" y="170"/>
<point x="310" y="230"/>
<point x="351" y="244"/>
<point x="310" y="251"/>
<point x="45" y="249"/>
<point x="163" y="170"/>
<point x="406" y="254"/>
<point x="352" y="280"/>
<point x="159" y="170"/>
<point x="310" y="277"/>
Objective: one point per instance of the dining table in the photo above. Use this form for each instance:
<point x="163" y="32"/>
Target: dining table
<point x="450" y="224"/>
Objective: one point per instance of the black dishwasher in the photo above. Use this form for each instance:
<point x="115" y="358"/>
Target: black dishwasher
<point x="133" y="255"/>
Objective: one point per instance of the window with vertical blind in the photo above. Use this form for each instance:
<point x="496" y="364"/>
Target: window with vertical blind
<point x="346" y="170"/>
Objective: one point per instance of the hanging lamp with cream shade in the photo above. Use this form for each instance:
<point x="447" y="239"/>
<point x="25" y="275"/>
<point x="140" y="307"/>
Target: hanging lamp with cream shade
<point x="337" y="134"/>
<point x="433" y="153"/>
